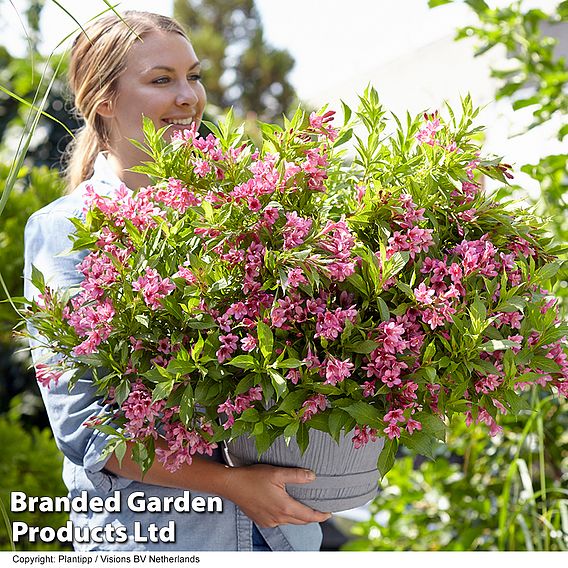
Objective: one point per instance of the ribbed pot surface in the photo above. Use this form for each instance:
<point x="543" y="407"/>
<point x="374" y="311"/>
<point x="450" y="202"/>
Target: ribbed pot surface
<point x="347" y="477"/>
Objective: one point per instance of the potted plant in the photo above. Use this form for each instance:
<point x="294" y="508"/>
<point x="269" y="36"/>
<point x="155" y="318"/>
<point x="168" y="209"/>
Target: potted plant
<point x="268" y="293"/>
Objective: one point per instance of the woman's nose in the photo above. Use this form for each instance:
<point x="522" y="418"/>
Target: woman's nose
<point x="187" y="95"/>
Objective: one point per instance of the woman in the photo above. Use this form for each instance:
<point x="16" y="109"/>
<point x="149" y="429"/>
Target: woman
<point x="120" y="71"/>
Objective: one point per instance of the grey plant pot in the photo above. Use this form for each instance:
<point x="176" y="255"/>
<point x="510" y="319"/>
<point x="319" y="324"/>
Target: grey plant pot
<point x="347" y="477"/>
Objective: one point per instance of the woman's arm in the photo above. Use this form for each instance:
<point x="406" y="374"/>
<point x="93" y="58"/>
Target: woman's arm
<point x="259" y="490"/>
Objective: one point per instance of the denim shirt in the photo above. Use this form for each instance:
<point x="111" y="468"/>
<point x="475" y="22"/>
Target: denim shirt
<point x="47" y="246"/>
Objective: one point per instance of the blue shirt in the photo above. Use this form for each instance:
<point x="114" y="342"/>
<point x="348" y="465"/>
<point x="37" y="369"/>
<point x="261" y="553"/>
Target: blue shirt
<point x="46" y="247"/>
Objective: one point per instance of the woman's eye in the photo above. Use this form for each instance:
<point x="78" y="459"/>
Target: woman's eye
<point x="194" y="77"/>
<point x="161" y="80"/>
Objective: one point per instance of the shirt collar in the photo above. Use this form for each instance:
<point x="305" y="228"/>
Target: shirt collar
<point x="105" y="175"/>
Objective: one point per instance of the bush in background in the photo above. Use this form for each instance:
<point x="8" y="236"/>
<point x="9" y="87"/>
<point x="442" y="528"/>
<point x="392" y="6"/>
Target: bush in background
<point x="36" y="187"/>
<point x="481" y="493"/>
<point x="31" y="462"/>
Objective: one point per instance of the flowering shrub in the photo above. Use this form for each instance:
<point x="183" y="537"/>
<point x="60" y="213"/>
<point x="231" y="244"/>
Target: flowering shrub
<point x="266" y="291"/>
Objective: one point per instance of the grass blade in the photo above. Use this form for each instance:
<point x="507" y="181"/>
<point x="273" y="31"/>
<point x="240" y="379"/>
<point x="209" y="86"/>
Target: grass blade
<point x="33" y="107"/>
<point x="8" y="525"/>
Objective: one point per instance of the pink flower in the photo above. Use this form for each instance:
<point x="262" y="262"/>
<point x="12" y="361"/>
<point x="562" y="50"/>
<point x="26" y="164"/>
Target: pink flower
<point x="328" y="326"/>
<point x="139" y="410"/>
<point x="320" y="123"/>
<point x="391" y="335"/>
<point x="248" y="343"/>
<point x="295" y="230"/>
<point x="186" y="274"/>
<point x="362" y="435"/>
<point x="336" y="370"/>
<point x="396" y="415"/>
<point x="313" y="405"/>
<point x="423" y="294"/>
<point x="296" y="277"/>
<point x="271" y="215"/>
<point x="412" y="425"/>
<point x="45" y="374"/>
<point x="137" y="344"/>
<point x="317" y="120"/>
<point x="153" y="287"/>
<point x="392" y="431"/>
<point x="241" y="403"/>
<point x="228" y="347"/>
<point x="311" y="360"/>
<point x="182" y="445"/>
<point x="368" y="388"/>
<point x="427" y="135"/>
<point x="468" y="216"/>
<point x="293" y="375"/>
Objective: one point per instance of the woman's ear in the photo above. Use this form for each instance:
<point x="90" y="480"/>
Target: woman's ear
<point x="105" y="109"/>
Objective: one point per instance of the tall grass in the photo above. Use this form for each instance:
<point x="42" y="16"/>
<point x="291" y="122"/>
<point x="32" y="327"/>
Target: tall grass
<point x="7" y="524"/>
<point x="36" y="110"/>
<point x="543" y="523"/>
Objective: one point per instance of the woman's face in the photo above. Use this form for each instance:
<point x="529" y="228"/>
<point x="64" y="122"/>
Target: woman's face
<point x="162" y="82"/>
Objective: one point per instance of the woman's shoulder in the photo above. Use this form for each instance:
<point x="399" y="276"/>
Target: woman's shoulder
<point x="69" y="205"/>
<point x="104" y="182"/>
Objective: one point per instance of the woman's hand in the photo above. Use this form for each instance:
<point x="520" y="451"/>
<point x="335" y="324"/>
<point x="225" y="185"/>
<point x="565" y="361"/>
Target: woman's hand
<point x="260" y="491"/>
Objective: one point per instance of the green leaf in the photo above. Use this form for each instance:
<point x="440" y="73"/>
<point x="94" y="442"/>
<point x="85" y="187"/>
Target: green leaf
<point x="337" y="420"/>
<point x="280" y="421"/>
<point x="278" y="382"/>
<point x="141" y="319"/>
<point x="513" y="304"/>
<point x="106" y="429"/>
<point x="364" y="347"/>
<point x="319" y="422"/>
<point x="246" y="362"/>
<point x="421" y="443"/>
<point x="383" y="309"/>
<point x="37" y="279"/>
<point x="547" y="271"/>
<point x="498" y="345"/>
<point x="303" y="438"/>
<point x="162" y="390"/>
<point x="265" y="339"/>
<point x="430" y="373"/>
<point x="207" y="322"/>
<point x="177" y="367"/>
<point x="403" y="287"/>
<point x="359" y="284"/>
<point x="515" y="402"/>
<point x="431" y="423"/>
<point x="436" y="3"/>
<point x="346" y="112"/>
<point x="387" y="456"/>
<point x="479" y="6"/>
<point x="478" y="309"/>
<point x="249" y="415"/>
<point x="289" y="364"/>
<point x="197" y="348"/>
<point x="293" y="401"/>
<point x="186" y="405"/>
<point x="122" y="391"/>
<point x="143" y="454"/>
<point x="364" y="413"/>
<point x="544" y="364"/>
<point x="120" y="451"/>
<point x="291" y="430"/>
<point x="429" y="352"/>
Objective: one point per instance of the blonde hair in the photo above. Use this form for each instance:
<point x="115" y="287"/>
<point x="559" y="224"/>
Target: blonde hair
<point x="98" y="57"/>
